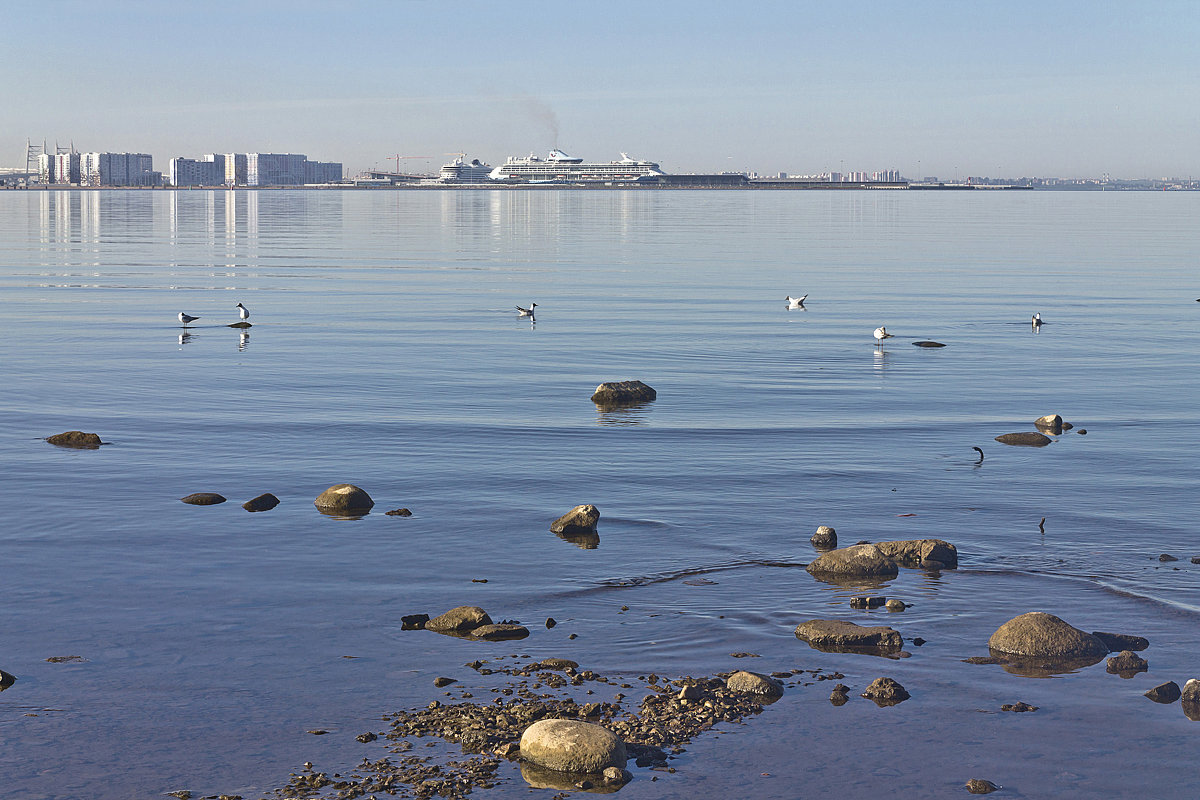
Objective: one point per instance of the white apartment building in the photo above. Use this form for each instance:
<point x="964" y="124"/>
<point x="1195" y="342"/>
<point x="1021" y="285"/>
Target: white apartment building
<point x="117" y="169"/>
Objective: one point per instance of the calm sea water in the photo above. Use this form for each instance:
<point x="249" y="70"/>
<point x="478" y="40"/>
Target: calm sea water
<point x="386" y="352"/>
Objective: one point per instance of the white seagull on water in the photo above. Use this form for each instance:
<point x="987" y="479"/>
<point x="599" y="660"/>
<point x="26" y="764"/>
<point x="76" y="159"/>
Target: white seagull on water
<point x="243" y="312"/>
<point x="795" y="302"/>
<point x="186" y="318"/>
<point x="881" y="334"/>
<point x="526" y="312"/>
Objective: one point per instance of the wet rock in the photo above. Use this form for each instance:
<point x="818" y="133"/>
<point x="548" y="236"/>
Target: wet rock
<point x="1126" y="664"/>
<point x="927" y="343"/>
<point x="615" y="393"/>
<point x="1082" y="431"/>
<point x="7" y="679"/>
<point x="859" y="560"/>
<point x="980" y="786"/>
<point x="264" y="502"/>
<point x="754" y="683"/>
<point x="839" y="696"/>
<point x="557" y="664"/>
<point x="1116" y="642"/>
<point x="77" y="439"/>
<point x="839" y="636"/>
<point x="1167" y="557"/>
<point x="919" y="552"/>
<point x="462" y="618"/>
<point x="398" y="512"/>
<point x="499" y="632"/>
<point x="1018" y="707"/>
<point x="443" y="681"/>
<point x="1191" y="691"/>
<point x="895" y="605"/>
<point x="1165" y="692"/>
<point x="1051" y="423"/>
<point x="886" y="692"/>
<point x="566" y="745"/>
<point x="1038" y="635"/>
<point x="691" y="692"/>
<point x="1025" y="439"/>
<point x="1196" y="559"/>
<point x="344" y="498"/>
<point x="615" y="776"/>
<point x="203" y="499"/>
<point x="413" y="622"/>
<point x="580" y="519"/>
<point x="867" y="602"/>
<point x="509" y="750"/>
<point x="825" y="538"/>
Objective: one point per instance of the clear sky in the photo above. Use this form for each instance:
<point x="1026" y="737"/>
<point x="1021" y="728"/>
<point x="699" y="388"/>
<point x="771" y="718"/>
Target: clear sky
<point x="1067" y="88"/>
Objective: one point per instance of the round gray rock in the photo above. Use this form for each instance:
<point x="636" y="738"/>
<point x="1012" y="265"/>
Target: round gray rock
<point x="745" y="682"/>
<point x="620" y="392"/>
<point x="1191" y="691"/>
<point x="825" y="538"/>
<point x="859" y="560"/>
<point x="1165" y="692"/>
<point x="579" y="519"/>
<point x="203" y="499"/>
<point x="462" y="618"/>
<point x="344" y="498"/>
<point x="566" y="745"/>
<point x="1051" y="422"/>
<point x="264" y="502"/>
<point x="1041" y="635"/>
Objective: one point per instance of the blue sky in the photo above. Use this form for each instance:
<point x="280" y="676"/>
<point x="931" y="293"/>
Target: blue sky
<point x="945" y="88"/>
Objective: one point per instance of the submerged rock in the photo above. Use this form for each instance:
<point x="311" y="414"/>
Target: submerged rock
<point x="1165" y="692"/>
<point x="203" y="499"/>
<point x="579" y="520"/>
<point x="344" y="498"/>
<point x="77" y="439"/>
<point x="498" y="632"/>
<point x="398" y="512"/>
<point x="859" y="560"/>
<point x="1038" y="635"/>
<point x="924" y="553"/>
<point x="754" y="683"/>
<point x="825" y="538"/>
<point x="927" y="343"/>
<point x="839" y="636"/>
<point x="980" y="786"/>
<point x="1025" y="439"/>
<point x="264" y="502"/>
<point x="614" y="393"/>
<point x="867" y="602"/>
<point x="462" y="618"/>
<point x="564" y="745"/>
<point x="413" y="622"/>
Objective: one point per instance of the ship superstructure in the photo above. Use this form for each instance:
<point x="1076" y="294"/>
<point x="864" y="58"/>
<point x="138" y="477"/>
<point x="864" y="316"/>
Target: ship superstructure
<point x="559" y="167"/>
<point x="462" y="171"/>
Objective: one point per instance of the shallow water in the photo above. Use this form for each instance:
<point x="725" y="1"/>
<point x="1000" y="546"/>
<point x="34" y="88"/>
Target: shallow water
<point x="385" y="352"/>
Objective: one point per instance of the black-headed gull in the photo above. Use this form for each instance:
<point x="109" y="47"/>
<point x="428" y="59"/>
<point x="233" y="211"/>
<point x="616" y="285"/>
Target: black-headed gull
<point x="243" y="312"/>
<point x="186" y="318"/>
<point x="881" y="334"/>
<point x="795" y="302"/>
<point x="526" y="312"/>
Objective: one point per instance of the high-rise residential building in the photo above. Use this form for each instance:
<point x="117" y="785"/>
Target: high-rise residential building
<point x="235" y="169"/>
<point x="45" y="168"/>
<point x="66" y="168"/>
<point x="274" y="169"/>
<point x="117" y="169"/>
<point x="322" y="171"/>
<point x="205" y="172"/>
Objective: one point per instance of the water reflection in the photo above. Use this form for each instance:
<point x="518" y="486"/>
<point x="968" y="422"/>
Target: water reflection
<point x="243" y="341"/>
<point x="628" y="414"/>
<point x="541" y="778"/>
<point x="881" y="357"/>
<point x="587" y="540"/>
<point x="342" y="515"/>
<point x="184" y="338"/>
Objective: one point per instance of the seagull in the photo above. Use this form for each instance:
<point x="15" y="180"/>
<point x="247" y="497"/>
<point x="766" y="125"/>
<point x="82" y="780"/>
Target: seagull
<point x="1037" y="319"/>
<point x="881" y="334"/>
<point x="795" y="302"/>
<point x="526" y="312"/>
<point x="186" y="318"/>
<point x="243" y="312"/>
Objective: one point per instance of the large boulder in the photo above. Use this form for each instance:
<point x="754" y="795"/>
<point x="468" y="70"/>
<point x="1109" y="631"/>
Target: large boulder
<point x="76" y="439"/>
<point x="744" y="682"/>
<point x="345" y="498"/>
<point x="615" y="393"/>
<point x="580" y="519"/>
<point x="566" y="745"/>
<point x="462" y="618"/>
<point x="839" y="636"/>
<point x="928" y="553"/>
<point x="1038" y="635"/>
<point x="856" y="561"/>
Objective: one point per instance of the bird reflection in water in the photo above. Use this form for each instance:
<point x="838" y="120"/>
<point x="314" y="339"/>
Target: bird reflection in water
<point x="184" y="338"/>
<point x="243" y="341"/>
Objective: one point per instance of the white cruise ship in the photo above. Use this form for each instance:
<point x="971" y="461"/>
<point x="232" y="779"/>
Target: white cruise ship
<point x="461" y="171"/>
<point x="559" y="167"/>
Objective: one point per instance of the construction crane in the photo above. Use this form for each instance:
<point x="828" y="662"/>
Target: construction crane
<point x="397" y="158"/>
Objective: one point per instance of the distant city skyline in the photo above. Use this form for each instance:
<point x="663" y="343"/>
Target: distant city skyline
<point x="1067" y="89"/>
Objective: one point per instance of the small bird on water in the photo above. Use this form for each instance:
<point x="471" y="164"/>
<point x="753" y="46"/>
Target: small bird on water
<point x="795" y="302"/>
<point x="186" y="318"/>
<point x="1037" y="319"/>
<point x="243" y="312"/>
<point x="881" y="334"/>
<point x="526" y="312"/>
